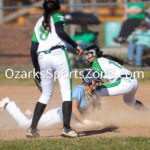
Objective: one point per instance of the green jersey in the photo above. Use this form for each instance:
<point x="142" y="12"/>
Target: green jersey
<point x="135" y="6"/>
<point x="108" y="69"/>
<point x="47" y="40"/>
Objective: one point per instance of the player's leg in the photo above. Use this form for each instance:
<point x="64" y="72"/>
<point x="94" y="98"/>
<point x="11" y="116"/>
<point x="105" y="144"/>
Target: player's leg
<point x="126" y="87"/>
<point x="47" y="89"/>
<point x="47" y="83"/>
<point x="130" y="100"/>
<point x="119" y="87"/>
<point x="15" y="112"/>
<point x="17" y="115"/>
<point x="63" y="70"/>
<point x="51" y="117"/>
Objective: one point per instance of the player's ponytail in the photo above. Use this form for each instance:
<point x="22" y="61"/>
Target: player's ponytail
<point x="99" y="53"/>
<point x="96" y="52"/>
<point x="114" y="58"/>
<point x="49" y="9"/>
<point x="46" y="22"/>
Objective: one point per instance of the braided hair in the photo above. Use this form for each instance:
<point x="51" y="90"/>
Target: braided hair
<point x="49" y="6"/>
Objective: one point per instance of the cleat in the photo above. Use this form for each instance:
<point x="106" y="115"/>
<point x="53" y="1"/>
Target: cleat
<point x="69" y="133"/>
<point x="32" y="133"/>
<point x="140" y="106"/>
<point x="4" y="102"/>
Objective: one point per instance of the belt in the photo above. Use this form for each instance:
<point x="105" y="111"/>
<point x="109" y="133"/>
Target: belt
<point x="53" y="48"/>
<point x="127" y="76"/>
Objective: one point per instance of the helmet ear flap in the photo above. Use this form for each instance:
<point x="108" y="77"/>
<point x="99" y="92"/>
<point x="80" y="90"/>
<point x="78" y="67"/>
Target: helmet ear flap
<point x="95" y="48"/>
<point x="87" y="81"/>
<point x="89" y="75"/>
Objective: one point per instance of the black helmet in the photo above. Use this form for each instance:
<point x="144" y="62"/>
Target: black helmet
<point x="95" y="50"/>
<point x="89" y="75"/>
<point x="55" y="2"/>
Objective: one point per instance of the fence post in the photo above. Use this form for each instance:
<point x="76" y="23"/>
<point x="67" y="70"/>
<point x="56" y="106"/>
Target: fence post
<point x="1" y="11"/>
<point x="71" y="9"/>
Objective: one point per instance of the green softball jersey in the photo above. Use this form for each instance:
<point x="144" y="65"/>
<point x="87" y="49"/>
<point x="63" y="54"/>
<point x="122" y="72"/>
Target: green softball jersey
<point x="108" y="69"/>
<point x="47" y="40"/>
<point x="135" y="6"/>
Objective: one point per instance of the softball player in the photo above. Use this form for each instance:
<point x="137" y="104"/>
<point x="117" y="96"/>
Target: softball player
<point x="49" y="55"/>
<point x="121" y="81"/>
<point x="83" y="97"/>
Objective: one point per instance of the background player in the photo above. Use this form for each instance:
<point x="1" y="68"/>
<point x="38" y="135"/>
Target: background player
<point x="83" y="98"/>
<point x="48" y="56"/>
<point x="121" y="81"/>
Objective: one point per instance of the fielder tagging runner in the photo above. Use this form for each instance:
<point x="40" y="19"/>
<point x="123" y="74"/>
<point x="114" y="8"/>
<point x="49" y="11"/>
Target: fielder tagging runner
<point x="121" y="81"/>
<point x="83" y="98"/>
<point x="49" y="55"/>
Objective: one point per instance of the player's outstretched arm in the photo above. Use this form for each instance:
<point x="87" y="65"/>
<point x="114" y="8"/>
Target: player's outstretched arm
<point x="64" y="36"/>
<point x="76" y="111"/>
<point x="78" y="115"/>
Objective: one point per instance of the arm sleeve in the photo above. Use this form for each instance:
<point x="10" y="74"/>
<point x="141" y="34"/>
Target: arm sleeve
<point x="59" y="22"/>
<point x="33" y="52"/>
<point x="63" y="35"/>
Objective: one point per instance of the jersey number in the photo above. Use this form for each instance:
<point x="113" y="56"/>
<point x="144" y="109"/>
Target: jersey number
<point x="117" y="65"/>
<point x="61" y="18"/>
<point x="43" y="34"/>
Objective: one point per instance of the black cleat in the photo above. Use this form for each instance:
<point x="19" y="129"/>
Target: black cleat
<point x="32" y="133"/>
<point x="140" y="106"/>
<point x="69" y="133"/>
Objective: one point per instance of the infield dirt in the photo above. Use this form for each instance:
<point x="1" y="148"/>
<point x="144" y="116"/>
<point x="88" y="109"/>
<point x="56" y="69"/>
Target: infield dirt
<point x="116" y="117"/>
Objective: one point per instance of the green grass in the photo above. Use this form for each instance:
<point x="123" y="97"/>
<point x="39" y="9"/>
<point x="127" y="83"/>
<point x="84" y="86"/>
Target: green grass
<point x="117" y="143"/>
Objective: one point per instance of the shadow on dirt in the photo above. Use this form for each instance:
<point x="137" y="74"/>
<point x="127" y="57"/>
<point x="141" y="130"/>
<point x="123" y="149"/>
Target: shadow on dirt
<point x="94" y="132"/>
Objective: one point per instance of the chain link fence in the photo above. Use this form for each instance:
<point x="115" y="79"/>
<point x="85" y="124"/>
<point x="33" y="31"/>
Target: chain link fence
<point x="15" y="39"/>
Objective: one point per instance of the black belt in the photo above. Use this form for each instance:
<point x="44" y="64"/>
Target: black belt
<point x="53" y="48"/>
<point x="126" y="76"/>
<point x="56" y="47"/>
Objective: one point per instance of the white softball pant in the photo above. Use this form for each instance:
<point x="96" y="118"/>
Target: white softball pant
<point x="55" y="63"/>
<point x="124" y="86"/>
<point x="51" y="117"/>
